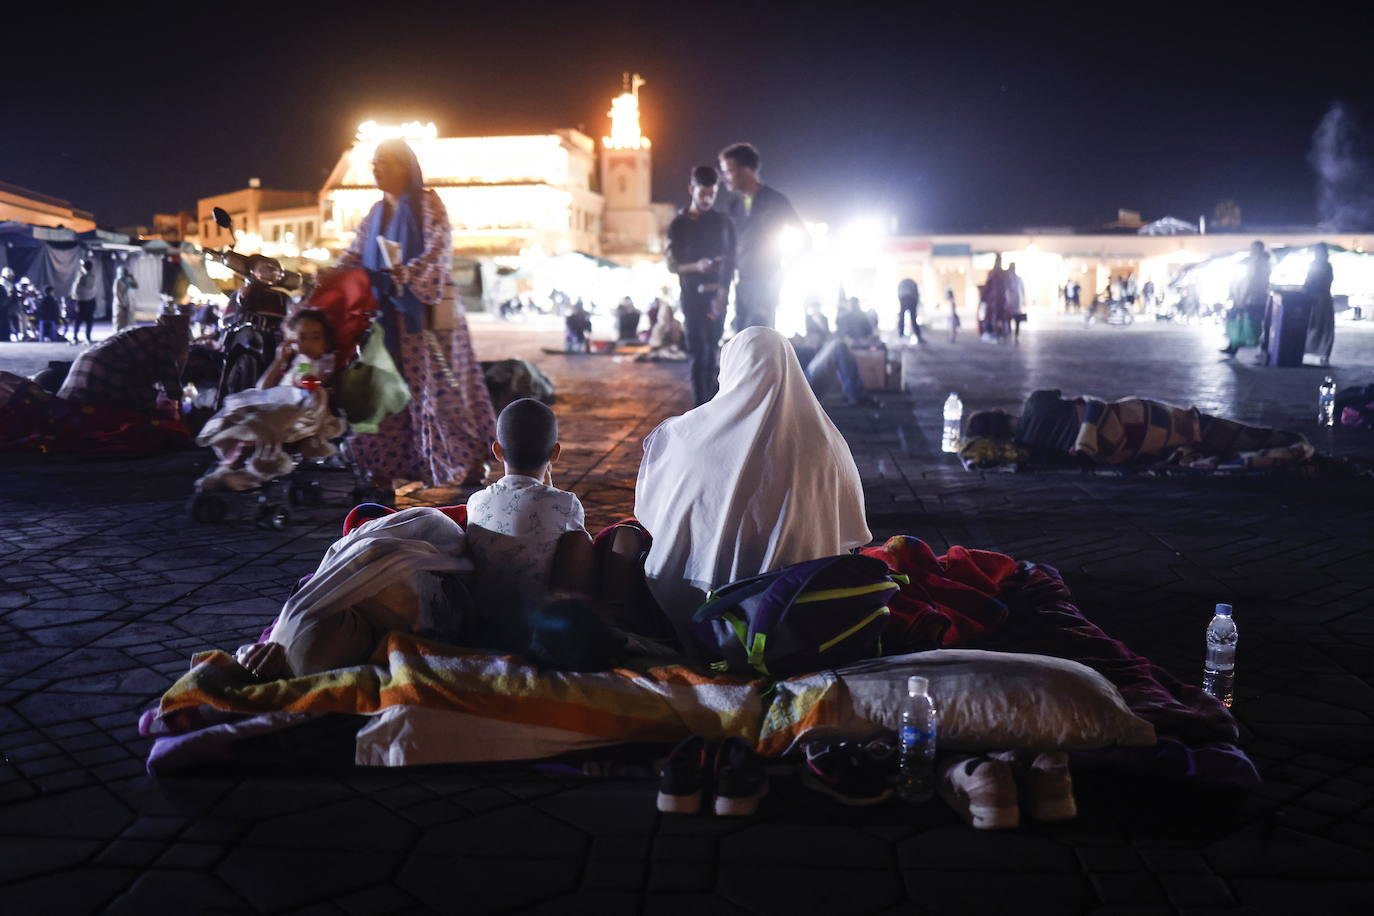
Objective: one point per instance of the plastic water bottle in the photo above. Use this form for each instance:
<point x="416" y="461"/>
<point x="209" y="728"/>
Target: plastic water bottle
<point x="1219" y="671"/>
<point x="1326" y="402"/>
<point x="954" y="421"/>
<point x="916" y="748"/>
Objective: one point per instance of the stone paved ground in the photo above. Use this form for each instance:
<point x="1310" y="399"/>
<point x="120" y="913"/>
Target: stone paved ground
<point x="107" y="588"/>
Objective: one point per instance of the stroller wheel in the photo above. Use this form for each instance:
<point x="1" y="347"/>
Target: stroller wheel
<point x="370" y="494"/>
<point x="272" y="516"/>
<point x="308" y="493"/>
<point x="209" y="509"/>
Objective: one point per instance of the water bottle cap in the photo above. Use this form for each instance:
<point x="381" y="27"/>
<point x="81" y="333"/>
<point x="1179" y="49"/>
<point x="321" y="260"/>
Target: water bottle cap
<point x="1223" y="610"/>
<point x="917" y="686"/>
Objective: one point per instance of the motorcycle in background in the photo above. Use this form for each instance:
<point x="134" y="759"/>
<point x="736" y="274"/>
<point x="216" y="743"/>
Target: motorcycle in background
<point x="254" y="316"/>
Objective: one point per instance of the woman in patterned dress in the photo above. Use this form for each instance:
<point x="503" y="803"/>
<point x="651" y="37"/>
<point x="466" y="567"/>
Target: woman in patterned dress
<point x="445" y="431"/>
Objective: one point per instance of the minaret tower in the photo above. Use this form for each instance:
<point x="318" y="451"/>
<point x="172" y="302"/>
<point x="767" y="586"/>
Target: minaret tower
<point x="629" y="223"/>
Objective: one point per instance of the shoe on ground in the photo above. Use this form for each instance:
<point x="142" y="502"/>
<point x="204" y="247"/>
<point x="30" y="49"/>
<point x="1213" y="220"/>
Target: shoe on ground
<point x="981" y="790"/>
<point x="851" y="773"/>
<point x="740" y="779"/>
<point x="1047" y="787"/>
<point x="683" y="779"/>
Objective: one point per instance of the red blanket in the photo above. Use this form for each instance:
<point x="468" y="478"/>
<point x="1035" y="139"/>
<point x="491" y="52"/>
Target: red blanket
<point x="947" y="601"/>
<point x="32" y="420"/>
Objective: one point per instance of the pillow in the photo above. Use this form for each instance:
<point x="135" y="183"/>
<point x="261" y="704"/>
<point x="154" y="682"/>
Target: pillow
<point x="986" y="701"/>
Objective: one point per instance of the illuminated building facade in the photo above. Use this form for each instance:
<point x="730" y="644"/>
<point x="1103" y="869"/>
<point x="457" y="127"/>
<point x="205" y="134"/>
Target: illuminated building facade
<point x="634" y="225"/>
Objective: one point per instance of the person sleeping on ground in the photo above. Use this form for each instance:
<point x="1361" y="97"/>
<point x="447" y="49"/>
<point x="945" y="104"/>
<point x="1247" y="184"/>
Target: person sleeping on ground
<point x="1123" y="432"/>
<point x="754" y="479"/>
<point x="524" y="546"/>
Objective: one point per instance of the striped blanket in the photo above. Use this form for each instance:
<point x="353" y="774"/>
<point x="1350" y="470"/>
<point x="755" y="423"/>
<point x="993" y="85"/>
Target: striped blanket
<point x="1120" y="432"/>
<point x="1138" y="429"/>
<point x="427" y="703"/>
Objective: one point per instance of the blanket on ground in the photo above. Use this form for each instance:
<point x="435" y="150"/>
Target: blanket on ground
<point x="33" y="420"/>
<point x="429" y="703"/>
<point x="1197" y="734"/>
<point x="1138" y="429"/>
<point x="946" y="601"/>
<point x="1131" y="431"/>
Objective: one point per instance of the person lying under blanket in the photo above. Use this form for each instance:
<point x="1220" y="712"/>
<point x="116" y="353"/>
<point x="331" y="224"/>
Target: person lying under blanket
<point x="1128" y="431"/>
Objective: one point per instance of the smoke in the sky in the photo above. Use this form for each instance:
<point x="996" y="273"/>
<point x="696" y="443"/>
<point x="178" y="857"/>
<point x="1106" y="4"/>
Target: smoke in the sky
<point x="1345" y="172"/>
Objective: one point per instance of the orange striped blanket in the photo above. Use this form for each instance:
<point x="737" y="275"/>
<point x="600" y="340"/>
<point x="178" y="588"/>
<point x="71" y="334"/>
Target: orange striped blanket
<point x="428" y="703"/>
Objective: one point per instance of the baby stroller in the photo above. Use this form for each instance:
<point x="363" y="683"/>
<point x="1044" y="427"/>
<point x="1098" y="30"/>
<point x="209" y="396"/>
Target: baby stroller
<point x="290" y="430"/>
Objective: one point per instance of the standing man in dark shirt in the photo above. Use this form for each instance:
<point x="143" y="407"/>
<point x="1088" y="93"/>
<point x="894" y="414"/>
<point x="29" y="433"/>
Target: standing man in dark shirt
<point x="701" y="251"/>
<point x="909" y="303"/>
<point x="760" y="214"/>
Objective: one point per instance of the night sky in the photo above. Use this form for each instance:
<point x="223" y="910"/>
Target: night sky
<point x="962" y="116"/>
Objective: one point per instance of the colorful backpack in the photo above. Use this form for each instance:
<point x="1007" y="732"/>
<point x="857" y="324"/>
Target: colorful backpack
<point x="805" y="617"/>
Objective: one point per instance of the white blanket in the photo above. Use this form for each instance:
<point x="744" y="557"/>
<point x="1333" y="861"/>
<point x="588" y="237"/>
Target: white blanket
<point x="385" y="569"/>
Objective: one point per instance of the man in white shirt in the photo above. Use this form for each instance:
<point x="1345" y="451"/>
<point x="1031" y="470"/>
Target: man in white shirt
<point x="525" y="536"/>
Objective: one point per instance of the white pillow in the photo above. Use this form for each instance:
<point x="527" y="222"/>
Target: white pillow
<point x="986" y="701"/>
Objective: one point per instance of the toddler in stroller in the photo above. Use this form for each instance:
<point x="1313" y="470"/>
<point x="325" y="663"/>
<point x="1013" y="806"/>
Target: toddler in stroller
<point x="289" y="406"/>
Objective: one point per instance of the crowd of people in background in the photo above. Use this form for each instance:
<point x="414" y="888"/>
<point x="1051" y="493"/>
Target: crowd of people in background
<point x="52" y="315"/>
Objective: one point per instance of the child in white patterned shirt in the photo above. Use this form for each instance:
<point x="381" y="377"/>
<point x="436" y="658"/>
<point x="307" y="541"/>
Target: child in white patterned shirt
<point x="525" y="536"/>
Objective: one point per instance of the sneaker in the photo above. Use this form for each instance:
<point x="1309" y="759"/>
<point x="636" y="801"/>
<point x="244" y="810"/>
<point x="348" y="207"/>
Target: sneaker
<point x="1049" y="787"/>
<point x="852" y="774"/>
<point x="981" y="790"/>
<point x="683" y="778"/>
<point x="740" y="779"/>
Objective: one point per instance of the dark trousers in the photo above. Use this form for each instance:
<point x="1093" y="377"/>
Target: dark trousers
<point x="909" y="307"/>
<point x="6" y="321"/>
<point x="703" y="348"/>
<point x="756" y="301"/>
<point x="47" y="329"/>
<point x="85" y="314"/>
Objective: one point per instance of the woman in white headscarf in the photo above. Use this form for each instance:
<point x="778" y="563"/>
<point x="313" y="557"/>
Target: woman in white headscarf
<point x="755" y="479"/>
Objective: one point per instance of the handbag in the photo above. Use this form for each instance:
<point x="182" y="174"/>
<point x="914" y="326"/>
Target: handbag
<point x="370" y="388"/>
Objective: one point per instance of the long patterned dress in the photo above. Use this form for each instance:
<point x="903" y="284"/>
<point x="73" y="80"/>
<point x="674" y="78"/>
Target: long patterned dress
<point x="447" y="429"/>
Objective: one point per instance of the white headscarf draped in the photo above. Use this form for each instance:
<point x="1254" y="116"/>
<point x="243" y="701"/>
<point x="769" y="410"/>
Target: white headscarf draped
<point x="753" y="480"/>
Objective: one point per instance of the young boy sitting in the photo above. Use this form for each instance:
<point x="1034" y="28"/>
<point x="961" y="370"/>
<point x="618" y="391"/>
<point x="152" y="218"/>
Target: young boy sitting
<point x="525" y="537"/>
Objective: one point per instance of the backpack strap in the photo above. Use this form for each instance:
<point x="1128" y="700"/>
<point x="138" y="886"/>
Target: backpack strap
<point x="717" y="605"/>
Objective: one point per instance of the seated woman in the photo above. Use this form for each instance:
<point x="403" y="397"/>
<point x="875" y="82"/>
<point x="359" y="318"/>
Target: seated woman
<point x="754" y="479"/>
<point x="291" y="404"/>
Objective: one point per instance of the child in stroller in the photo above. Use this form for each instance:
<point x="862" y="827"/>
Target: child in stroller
<point x="290" y="405"/>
